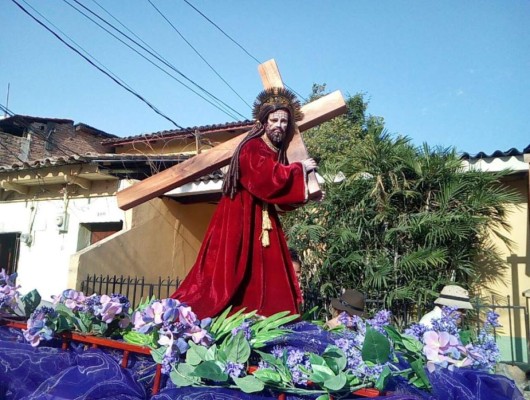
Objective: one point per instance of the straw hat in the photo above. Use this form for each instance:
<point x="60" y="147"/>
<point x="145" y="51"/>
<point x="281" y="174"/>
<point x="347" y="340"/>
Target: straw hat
<point x="454" y="296"/>
<point x="351" y="301"/>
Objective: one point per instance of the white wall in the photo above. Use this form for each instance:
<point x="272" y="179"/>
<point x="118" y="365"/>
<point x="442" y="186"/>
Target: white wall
<point x="43" y="264"/>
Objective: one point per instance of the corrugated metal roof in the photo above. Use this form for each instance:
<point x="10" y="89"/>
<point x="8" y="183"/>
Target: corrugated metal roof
<point x="186" y="132"/>
<point x="498" y="153"/>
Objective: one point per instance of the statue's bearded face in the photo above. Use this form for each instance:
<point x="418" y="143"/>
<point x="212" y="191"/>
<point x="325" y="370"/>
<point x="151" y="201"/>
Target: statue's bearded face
<point x="276" y="126"/>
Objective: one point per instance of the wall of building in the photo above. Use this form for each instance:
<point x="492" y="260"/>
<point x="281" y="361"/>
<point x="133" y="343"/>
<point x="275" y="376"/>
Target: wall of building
<point x="507" y="289"/>
<point x="163" y="240"/>
<point x="44" y="260"/>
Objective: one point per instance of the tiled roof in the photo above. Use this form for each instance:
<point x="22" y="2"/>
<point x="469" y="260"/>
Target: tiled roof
<point x="142" y="161"/>
<point x="91" y="157"/>
<point x="186" y="132"/>
<point x="29" y="118"/>
<point x="498" y="153"/>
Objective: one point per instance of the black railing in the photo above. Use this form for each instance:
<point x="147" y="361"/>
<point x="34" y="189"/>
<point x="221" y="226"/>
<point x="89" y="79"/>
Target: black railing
<point x="517" y="331"/>
<point x="134" y="288"/>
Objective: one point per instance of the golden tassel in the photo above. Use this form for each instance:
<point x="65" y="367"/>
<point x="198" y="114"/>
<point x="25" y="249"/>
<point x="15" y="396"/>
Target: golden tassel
<point x="266" y="226"/>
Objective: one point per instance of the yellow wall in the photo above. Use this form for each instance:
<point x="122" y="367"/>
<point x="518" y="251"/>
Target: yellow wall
<point x="514" y="279"/>
<point x="163" y="240"/>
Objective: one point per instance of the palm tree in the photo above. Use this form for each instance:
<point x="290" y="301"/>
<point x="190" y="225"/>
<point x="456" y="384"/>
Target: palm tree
<point x="404" y="222"/>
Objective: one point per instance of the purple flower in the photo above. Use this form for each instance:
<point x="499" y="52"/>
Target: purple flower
<point x="234" y="369"/>
<point x="8" y="292"/>
<point x="492" y="319"/>
<point x="448" y="322"/>
<point x="245" y="328"/>
<point x="416" y="331"/>
<point x="109" y="309"/>
<point x="277" y="351"/>
<point x="40" y="326"/>
<point x="380" y="320"/>
<point x="72" y="299"/>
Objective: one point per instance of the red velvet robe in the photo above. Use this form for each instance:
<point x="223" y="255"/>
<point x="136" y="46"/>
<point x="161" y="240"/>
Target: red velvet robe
<point x="233" y="267"/>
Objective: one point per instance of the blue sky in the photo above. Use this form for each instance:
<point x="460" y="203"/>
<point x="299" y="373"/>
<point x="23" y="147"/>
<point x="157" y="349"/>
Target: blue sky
<point x="449" y="73"/>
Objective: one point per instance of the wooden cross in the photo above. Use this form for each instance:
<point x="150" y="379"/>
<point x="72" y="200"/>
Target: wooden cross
<point x="315" y="113"/>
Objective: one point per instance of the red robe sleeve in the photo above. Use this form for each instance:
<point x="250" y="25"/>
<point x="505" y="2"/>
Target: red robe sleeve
<point x="267" y="179"/>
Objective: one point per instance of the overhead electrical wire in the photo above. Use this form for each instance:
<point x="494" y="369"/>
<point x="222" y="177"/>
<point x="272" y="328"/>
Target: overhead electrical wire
<point x="235" y="42"/>
<point x="156" y="56"/>
<point x="222" y="31"/>
<point x="199" y="54"/>
<point x="130" y="90"/>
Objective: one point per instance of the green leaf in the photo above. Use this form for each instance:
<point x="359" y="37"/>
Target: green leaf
<point x="62" y="324"/>
<point x="376" y="347"/>
<point x="211" y="370"/>
<point x="335" y="383"/>
<point x="321" y="373"/>
<point x="195" y="354"/>
<point x="141" y="339"/>
<point x="465" y="337"/>
<point x="412" y="344"/>
<point x="158" y="354"/>
<point x="383" y="378"/>
<point x="268" y="376"/>
<point x="249" y="384"/>
<point x="217" y="322"/>
<point x="30" y="302"/>
<point x="62" y="309"/>
<point x="335" y="358"/>
<point x="315" y="359"/>
<point x="323" y="397"/>
<point x="393" y="334"/>
<point x="183" y="375"/>
<point x="270" y="359"/>
<point x="419" y="368"/>
<point x="237" y="349"/>
<point x="211" y="353"/>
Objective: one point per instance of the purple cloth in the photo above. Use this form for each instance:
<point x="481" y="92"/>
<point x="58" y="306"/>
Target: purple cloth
<point x="46" y="372"/>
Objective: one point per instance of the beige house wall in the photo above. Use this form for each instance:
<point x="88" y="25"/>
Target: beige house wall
<point x="163" y="240"/>
<point x="508" y="288"/>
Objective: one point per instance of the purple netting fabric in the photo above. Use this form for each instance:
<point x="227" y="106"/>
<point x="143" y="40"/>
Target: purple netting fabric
<point x="49" y="373"/>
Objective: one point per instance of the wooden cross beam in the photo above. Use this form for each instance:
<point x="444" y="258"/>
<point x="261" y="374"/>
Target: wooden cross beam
<point x="315" y="113"/>
<point x="270" y="77"/>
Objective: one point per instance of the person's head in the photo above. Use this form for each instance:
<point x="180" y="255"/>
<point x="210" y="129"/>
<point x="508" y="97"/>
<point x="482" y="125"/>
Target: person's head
<point x="297" y="264"/>
<point x="454" y="296"/>
<point x="276" y="126"/>
<point x="269" y="112"/>
<point x="351" y="301"/>
<point x="277" y="108"/>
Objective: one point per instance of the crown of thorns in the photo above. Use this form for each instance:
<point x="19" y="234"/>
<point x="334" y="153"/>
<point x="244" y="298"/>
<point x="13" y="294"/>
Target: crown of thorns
<point x="278" y="97"/>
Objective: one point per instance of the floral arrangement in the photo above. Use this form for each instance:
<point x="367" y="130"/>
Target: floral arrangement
<point x="8" y="293"/>
<point x="12" y="303"/>
<point x="233" y="350"/>
<point x="445" y="345"/>
<point x="98" y="315"/>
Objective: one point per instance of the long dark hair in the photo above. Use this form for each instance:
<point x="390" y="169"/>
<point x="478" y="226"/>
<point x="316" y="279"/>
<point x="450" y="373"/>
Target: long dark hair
<point x="231" y="179"/>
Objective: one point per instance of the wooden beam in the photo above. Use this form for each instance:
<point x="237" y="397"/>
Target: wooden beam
<point x="270" y="74"/>
<point x="76" y="180"/>
<point x="316" y="112"/>
<point x="215" y="158"/>
<point x="271" y="77"/>
<point x="16" y="187"/>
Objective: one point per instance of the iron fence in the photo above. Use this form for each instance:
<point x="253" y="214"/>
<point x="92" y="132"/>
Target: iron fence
<point x="513" y="337"/>
<point x="134" y="288"/>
